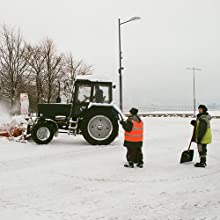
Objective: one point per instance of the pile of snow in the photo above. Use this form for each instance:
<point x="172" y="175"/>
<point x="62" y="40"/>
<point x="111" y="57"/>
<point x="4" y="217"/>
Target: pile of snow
<point x="8" y="122"/>
<point x="11" y="122"/>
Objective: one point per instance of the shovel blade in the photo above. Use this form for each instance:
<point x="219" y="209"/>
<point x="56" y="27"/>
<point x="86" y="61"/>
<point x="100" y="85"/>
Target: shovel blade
<point x="187" y="156"/>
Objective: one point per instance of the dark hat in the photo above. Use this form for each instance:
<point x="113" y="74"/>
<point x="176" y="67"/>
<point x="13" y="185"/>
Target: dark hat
<point x="205" y="109"/>
<point x="133" y="111"/>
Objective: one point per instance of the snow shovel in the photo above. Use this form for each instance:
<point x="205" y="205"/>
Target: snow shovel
<point x="187" y="155"/>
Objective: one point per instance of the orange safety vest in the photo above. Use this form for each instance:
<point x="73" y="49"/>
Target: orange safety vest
<point x="136" y="134"/>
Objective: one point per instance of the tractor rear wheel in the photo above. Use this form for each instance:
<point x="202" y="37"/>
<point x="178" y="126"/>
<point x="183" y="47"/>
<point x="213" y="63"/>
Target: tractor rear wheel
<point x="100" y="127"/>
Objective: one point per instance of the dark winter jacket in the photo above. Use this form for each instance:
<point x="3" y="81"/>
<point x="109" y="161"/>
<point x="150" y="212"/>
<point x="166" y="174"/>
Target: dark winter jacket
<point x="99" y="97"/>
<point x="202" y="130"/>
<point x="128" y="125"/>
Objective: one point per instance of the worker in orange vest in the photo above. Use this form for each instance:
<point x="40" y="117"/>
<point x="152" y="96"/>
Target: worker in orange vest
<point x="133" y="139"/>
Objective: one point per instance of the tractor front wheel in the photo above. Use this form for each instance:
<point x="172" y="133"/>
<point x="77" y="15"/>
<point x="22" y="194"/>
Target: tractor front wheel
<point x="42" y="133"/>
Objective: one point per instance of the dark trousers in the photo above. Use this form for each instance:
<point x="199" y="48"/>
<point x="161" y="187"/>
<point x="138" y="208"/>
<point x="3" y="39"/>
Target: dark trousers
<point x="202" y="149"/>
<point x="134" y="155"/>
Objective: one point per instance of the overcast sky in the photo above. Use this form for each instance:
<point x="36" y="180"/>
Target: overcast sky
<point x="170" y="36"/>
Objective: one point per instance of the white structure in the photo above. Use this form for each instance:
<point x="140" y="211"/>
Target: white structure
<point x="24" y="103"/>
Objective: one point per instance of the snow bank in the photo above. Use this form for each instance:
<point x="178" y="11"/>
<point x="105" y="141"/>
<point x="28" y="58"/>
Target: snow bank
<point x="9" y="123"/>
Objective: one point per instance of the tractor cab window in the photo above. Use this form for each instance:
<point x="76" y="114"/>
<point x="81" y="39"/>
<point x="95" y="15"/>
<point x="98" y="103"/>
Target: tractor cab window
<point x="101" y="94"/>
<point x="84" y="93"/>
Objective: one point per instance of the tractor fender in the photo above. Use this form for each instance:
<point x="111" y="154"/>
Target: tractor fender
<point x="49" y="121"/>
<point x="114" y="108"/>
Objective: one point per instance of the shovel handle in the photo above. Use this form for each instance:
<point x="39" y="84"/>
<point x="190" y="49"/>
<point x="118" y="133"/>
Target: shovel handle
<point x="191" y="139"/>
<point x="190" y="144"/>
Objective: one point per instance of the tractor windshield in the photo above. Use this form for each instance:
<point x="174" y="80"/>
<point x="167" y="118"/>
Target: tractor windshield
<point x="84" y="93"/>
<point x="96" y="92"/>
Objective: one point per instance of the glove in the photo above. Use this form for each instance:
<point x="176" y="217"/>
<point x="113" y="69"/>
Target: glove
<point x="193" y="122"/>
<point x="121" y="122"/>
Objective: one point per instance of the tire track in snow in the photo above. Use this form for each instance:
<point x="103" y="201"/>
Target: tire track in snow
<point x="180" y="208"/>
<point x="26" y="162"/>
<point x="161" y="180"/>
<point x="37" y="211"/>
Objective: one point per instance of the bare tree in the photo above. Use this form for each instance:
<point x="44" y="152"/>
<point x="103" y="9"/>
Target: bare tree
<point x="36" y="57"/>
<point x="53" y="69"/>
<point x="72" y="69"/>
<point x="39" y="68"/>
<point x="13" y="67"/>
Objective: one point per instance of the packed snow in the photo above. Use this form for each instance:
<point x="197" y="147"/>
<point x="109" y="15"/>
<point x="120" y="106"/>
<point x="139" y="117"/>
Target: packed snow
<point x="69" y="179"/>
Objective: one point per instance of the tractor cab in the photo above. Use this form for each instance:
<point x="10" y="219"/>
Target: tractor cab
<point x="87" y="92"/>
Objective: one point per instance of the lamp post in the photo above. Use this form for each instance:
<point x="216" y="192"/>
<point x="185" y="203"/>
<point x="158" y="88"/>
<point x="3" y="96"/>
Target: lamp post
<point x="120" y="58"/>
<point x="194" y="69"/>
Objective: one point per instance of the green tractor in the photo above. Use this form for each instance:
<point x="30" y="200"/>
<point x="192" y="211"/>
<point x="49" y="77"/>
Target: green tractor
<point x="90" y="113"/>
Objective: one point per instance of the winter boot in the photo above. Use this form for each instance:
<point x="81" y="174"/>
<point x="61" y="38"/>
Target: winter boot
<point x="202" y="162"/>
<point x="129" y="164"/>
<point x="140" y="165"/>
<point x="200" y="165"/>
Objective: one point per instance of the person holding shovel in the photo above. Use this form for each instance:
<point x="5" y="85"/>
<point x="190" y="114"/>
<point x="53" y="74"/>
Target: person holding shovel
<point x="202" y="134"/>
<point x="133" y="139"/>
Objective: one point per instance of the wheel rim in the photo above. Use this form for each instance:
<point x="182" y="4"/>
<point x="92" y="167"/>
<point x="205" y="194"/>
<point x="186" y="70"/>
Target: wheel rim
<point x="43" y="133"/>
<point x="100" y="127"/>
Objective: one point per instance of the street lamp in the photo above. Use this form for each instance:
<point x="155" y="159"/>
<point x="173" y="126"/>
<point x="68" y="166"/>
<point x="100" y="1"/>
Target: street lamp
<point x="194" y="69"/>
<point x="120" y="57"/>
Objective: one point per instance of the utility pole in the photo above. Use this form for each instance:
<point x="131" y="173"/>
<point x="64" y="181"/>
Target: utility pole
<point x="194" y="69"/>
<point x="120" y="58"/>
<point x="120" y="65"/>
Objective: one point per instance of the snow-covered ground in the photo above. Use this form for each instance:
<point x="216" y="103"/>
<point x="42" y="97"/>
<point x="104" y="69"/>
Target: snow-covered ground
<point x="69" y="179"/>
